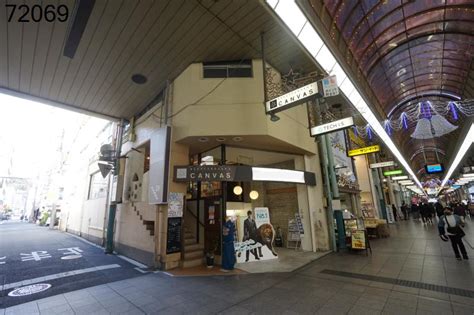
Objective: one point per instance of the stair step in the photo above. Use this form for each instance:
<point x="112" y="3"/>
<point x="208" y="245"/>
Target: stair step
<point x="193" y="255"/>
<point x="193" y="247"/>
<point x="193" y="262"/>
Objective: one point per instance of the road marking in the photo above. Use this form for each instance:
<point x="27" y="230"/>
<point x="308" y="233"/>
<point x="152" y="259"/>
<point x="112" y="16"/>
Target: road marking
<point x="140" y="270"/>
<point x="30" y="289"/>
<point x="133" y="262"/>
<point x="57" y="276"/>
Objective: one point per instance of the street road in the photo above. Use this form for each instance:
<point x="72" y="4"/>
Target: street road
<point x="32" y="254"/>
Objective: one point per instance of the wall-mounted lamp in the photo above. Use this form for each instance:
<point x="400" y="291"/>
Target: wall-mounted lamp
<point x="274" y="118"/>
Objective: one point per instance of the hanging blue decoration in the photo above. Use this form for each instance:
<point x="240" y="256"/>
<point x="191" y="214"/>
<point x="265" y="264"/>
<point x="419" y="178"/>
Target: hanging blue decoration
<point x="354" y="129"/>
<point x="425" y="110"/>
<point x="369" y="131"/>
<point x="388" y="129"/>
<point x="403" y="116"/>
<point x="453" y="109"/>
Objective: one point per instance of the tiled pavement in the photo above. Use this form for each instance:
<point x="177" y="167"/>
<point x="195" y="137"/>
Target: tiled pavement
<point x="413" y="252"/>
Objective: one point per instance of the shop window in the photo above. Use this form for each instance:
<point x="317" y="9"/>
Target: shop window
<point x="97" y="186"/>
<point x="228" y="69"/>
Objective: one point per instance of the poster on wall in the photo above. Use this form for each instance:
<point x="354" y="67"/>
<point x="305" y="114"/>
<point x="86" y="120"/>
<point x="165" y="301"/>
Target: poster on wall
<point x="175" y="205"/>
<point x="389" y="211"/>
<point x="258" y="237"/>
<point x="344" y="172"/>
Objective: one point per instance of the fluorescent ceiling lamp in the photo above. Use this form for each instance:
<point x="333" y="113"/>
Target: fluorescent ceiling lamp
<point x="462" y="151"/>
<point x="400" y="177"/>
<point x="406" y="182"/>
<point x="467" y="175"/>
<point x="286" y="10"/>
<point x="277" y="175"/>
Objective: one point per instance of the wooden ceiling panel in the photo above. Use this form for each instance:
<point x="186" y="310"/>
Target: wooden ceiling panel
<point x="155" y="33"/>
<point x="3" y="48"/>
<point x="158" y="39"/>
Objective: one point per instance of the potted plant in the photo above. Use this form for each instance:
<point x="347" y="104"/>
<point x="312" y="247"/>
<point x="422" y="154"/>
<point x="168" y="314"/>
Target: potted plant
<point x="210" y="253"/>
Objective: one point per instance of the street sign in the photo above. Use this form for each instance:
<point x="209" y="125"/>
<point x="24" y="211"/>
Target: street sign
<point x="292" y="98"/>
<point x="362" y="151"/>
<point x="382" y="164"/>
<point x="330" y="86"/>
<point x="394" y="172"/>
<point x="332" y="126"/>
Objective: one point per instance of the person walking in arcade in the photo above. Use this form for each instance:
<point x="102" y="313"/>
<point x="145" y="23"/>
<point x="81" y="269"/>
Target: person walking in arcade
<point x="450" y="225"/>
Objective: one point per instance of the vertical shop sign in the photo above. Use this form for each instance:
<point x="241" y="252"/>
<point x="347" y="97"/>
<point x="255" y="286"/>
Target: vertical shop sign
<point x="175" y="205"/>
<point x="159" y="166"/>
<point x="330" y="86"/>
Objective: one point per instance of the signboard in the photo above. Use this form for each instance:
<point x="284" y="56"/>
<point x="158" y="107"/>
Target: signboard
<point x="434" y="168"/>
<point x="159" y="166"/>
<point x="362" y="151"/>
<point x="330" y="86"/>
<point x="382" y="164"/>
<point x="332" y="126"/>
<point x="344" y="172"/>
<point x="216" y="173"/>
<point x="393" y="172"/>
<point x="358" y="239"/>
<point x="175" y="205"/>
<point x="390" y="217"/>
<point x="299" y="223"/>
<point x="173" y="236"/>
<point x="257" y="243"/>
<point x="292" y="98"/>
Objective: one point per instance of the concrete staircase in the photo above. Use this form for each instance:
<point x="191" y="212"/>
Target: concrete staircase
<point x="193" y="251"/>
<point x="150" y="225"/>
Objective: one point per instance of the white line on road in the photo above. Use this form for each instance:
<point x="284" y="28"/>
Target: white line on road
<point x="133" y="262"/>
<point x="140" y="270"/>
<point x="57" y="276"/>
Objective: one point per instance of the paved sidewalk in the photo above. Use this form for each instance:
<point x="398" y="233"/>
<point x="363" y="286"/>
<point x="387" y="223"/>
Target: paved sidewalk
<point x="342" y="283"/>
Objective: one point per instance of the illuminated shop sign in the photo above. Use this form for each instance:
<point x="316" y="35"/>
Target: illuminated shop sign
<point x="382" y="164"/>
<point x="362" y="151"/>
<point x="292" y="98"/>
<point x="241" y="173"/>
<point x="332" y="126"/>
<point x="394" y="172"/>
<point x="434" y="168"/>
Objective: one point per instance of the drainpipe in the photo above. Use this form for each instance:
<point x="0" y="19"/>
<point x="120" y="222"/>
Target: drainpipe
<point x="109" y="248"/>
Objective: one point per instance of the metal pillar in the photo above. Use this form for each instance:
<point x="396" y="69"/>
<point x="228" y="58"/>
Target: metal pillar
<point x="109" y="246"/>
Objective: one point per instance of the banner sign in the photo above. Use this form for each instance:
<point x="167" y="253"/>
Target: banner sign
<point x="299" y="223"/>
<point x="292" y="98"/>
<point x="330" y="86"/>
<point x="389" y="211"/>
<point x="358" y="239"/>
<point x="362" y="151"/>
<point x="382" y="164"/>
<point x="332" y="126"/>
<point x="394" y="172"/>
<point x="241" y="173"/>
<point x="159" y="166"/>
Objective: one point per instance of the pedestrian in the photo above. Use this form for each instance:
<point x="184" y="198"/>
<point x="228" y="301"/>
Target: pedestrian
<point x="404" y="210"/>
<point x="439" y="209"/>
<point x="394" y="210"/>
<point x="460" y="211"/>
<point x="450" y="224"/>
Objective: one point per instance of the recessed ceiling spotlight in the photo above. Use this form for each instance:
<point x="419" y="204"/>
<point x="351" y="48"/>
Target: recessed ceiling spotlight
<point x="203" y="139"/>
<point x="393" y="44"/>
<point x="139" y="78"/>
<point x="237" y="139"/>
<point x="220" y="139"/>
<point x="401" y="72"/>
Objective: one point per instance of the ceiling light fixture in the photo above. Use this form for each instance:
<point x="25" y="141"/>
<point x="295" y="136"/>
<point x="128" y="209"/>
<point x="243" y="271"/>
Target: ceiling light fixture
<point x="466" y="144"/>
<point x="139" y="78"/>
<point x="291" y="14"/>
<point x="253" y="195"/>
<point x="274" y="118"/>
<point x="203" y="139"/>
<point x="237" y="139"/>
<point x="400" y="177"/>
<point x="238" y="190"/>
<point x="220" y="139"/>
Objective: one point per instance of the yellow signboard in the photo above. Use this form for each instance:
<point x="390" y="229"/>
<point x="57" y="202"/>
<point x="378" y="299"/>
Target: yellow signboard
<point x="366" y="150"/>
<point x="358" y="239"/>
